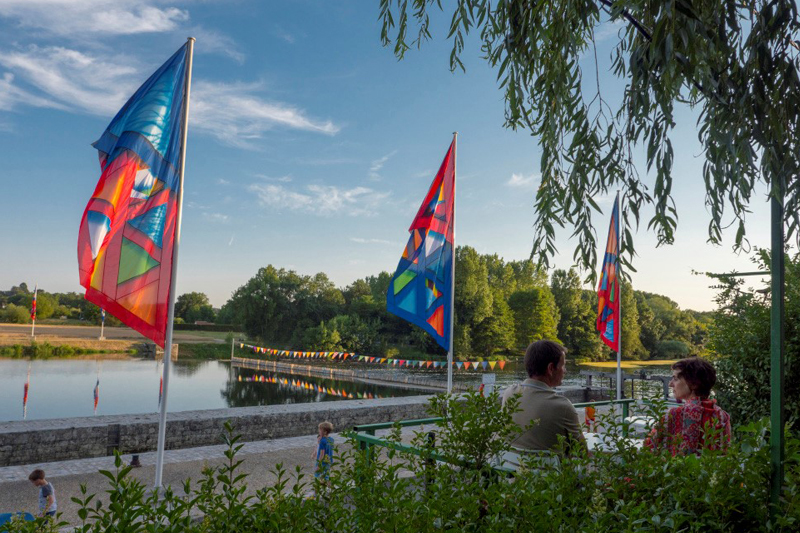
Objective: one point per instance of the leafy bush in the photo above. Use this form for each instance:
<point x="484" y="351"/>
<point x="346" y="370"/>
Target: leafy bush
<point x="391" y="489"/>
<point x="739" y="340"/>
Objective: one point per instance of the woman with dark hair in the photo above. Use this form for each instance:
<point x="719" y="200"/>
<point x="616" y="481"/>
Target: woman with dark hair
<point x="698" y="423"/>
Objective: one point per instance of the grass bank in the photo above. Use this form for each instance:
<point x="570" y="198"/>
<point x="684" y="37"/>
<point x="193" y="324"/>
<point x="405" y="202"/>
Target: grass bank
<point x="206" y="351"/>
<point x="45" y="350"/>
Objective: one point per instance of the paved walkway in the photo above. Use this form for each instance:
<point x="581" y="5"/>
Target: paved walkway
<point x="260" y="459"/>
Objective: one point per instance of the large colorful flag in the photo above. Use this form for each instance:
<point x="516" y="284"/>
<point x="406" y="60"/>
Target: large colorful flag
<point x="421" y="289"/>
<point x="608" y="317"/>
<point x="126" y="236"/>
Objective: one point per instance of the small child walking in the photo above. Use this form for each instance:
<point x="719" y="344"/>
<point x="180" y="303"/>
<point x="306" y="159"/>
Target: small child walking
<point x="47" y="494"/>
<point x="324" y="455"/>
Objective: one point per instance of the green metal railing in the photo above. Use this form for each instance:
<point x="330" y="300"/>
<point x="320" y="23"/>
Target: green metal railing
<point x="365" y="435"/>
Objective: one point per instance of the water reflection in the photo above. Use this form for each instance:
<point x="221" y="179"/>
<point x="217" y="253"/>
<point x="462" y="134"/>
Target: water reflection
<point x="251" y="387"/>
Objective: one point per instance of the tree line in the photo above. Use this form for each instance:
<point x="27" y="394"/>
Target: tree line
<point x="500" y="307"/>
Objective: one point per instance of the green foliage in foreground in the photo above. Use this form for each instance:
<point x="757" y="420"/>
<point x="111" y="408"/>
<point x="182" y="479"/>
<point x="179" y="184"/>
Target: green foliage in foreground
<point x="630" y="490"/>
<point x="740" y="339"/>
<point x="45" y="350"/>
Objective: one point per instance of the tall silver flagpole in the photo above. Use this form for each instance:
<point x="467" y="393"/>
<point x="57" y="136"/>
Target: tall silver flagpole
<point x="452" y="277"/>
<point x="162" y="419"/>
<point x="619" y="318"/>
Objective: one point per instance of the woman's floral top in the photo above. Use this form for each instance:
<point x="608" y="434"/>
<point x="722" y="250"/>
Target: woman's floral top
<point x="691" y="427"/>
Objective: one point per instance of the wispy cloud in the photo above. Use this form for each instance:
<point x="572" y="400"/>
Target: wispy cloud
<point x="12" y="96"/>
<point x="361" y="240"/>
<point x="68" y="79"/>
<point x="216" y="217"/>
<point x="521" y="181"/>
<point x="281" y="179"/>
<point x="283" y="35"/>
<point x="230" y="242"/>
<point x="222" y="181"/>
<point x="233" y="114"/>
<point x="321" y="200"/>
<point x="214" y="42"/>
<point x="376" y="166"/>
<point x="81" y="17"/>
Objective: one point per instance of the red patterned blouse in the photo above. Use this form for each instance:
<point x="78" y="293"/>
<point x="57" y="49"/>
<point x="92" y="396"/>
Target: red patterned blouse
<point x="682" y="429"/>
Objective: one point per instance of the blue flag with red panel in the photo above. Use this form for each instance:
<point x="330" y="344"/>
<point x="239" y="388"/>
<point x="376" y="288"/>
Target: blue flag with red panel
<point x="608" y="317"/>
<point x="421" y="289"/>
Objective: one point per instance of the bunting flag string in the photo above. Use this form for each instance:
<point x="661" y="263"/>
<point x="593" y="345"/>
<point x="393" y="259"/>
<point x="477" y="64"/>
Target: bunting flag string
<point x="400" y="363"/>
<point x="305" y="385"/>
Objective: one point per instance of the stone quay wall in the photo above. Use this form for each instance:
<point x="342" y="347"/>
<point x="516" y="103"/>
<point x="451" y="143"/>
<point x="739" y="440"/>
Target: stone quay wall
<point x="36" y="441"/>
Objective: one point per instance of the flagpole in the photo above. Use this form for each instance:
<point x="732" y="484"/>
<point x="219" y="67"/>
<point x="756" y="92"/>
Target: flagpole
<point x="452" y="277"/>
<point x="619" y="277"/>
<point x="162" y="419"/>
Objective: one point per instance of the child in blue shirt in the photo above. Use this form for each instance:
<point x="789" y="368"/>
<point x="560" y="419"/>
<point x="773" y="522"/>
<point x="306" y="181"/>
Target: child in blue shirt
<point x="324" y="455"/>
<point x="47" y="494"/>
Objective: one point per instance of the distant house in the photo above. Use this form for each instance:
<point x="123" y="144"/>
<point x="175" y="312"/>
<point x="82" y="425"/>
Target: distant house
<point x="203" y="323"/>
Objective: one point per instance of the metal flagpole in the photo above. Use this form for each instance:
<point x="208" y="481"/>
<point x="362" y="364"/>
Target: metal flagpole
<point x="452" y="277"/>
<point x="33" y="311"/>
<point x="619" y="319"/>
<point x="162" y="419"/>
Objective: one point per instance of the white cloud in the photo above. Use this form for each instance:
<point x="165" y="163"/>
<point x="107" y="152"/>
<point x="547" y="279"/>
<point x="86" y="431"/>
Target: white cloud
<point x="521" y="181"/>
<point x="284" y="35"/>
<point x="11" y="96"/>
<point x="376" y="166"/>
<point x="213" y="42"/>
<point x="230" y="242"/>
<point x="362" y="240"/>
<point x="80" y="17"/>
<point x="77" y="81"/>
<point x="221" y="181"/>
<point x="235" y="116"/>
<point x="216" y="217"/>
<point x="282" y="179"/>
<point x="321" y="200"/>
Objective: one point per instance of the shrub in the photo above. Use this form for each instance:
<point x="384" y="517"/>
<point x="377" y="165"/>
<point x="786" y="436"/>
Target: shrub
<point x="631" y="490"/>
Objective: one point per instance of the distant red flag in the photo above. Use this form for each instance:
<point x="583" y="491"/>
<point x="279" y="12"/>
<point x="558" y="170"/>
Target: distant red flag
<point x="33" y="303"/>
<point x="608" y="319"/>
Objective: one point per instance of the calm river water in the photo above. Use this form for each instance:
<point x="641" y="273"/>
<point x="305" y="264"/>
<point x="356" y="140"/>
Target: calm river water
<point x="61" y="388"/>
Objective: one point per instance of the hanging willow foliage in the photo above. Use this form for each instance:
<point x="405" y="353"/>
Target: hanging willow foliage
<point x="735" y="62"/>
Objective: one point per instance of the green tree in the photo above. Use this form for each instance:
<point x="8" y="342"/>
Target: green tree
<point x="495" y="333"/>
<point x="16" y="314"/>
<point x="194" y="306"/>
<point x="632" y="347"/>
<point x="576" y="326"/>
<point x="473" y="299"/>
<point x="739" y="341"/>
<point x="535" y="315"/>
<point x="736" y="63"/>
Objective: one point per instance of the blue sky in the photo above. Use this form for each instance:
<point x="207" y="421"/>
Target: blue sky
<point x="310" y="146"/>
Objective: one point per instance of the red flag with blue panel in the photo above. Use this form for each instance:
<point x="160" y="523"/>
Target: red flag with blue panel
<point x="126" y="235"/>
<point x="421" y="289"/>
<point x="608" y="292"/>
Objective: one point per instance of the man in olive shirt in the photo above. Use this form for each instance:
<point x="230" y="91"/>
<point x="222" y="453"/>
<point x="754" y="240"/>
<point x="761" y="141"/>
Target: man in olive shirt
<point x="553" y="414"/>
